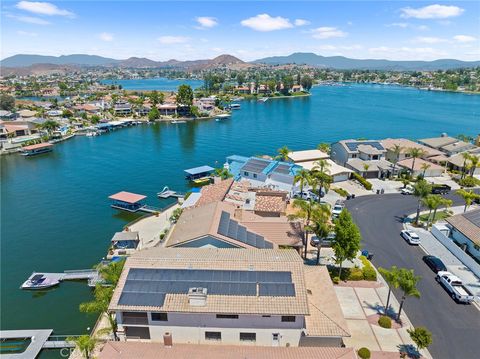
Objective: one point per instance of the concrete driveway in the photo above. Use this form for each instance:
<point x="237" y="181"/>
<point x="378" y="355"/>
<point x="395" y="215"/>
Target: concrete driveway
<point x="454" y="327"/>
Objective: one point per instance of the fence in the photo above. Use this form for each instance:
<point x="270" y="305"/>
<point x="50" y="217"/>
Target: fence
<point x="456" y="251"/>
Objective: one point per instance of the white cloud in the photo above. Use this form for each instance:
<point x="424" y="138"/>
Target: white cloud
<point x="428" y="40"/>
<point x="43" y="8"/>
<point x="407" y="25"/>
<point x="432" y="12"/>
<point x="206" y="22"/>
<point x="265" y="22"/>
<point x="106" y="36"/>
<point x="464" y="38"/>
<point x="301" y="22"/>
<point x="327" y="32"/>
<point x="27" y="33"/>
<point x="29" y="19"/>
<point x="169" y="40"/>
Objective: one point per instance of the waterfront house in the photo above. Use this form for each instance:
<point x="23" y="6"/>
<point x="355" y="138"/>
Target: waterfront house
<point x="122" y="108"/>
<point x="242" y="90"/>
<point x="26" y="114"/>
<point x="419" y="168"/>
<point x="457" y="147"/>
<point x="7" y="115"/>
<point x="143" y="110"/>
<point x="337" y="172"/>
<point x="167" y="109"/>
<point x="446" y="144"/>
<point x="405" y="147"/>
<point x="465" y="230"/>
<point x="366" y="157"/>
<point x="299" y="157"/>
<point x="457" y="162"/>
<point x="228" y="297"/>
<point x="296" y="88"/>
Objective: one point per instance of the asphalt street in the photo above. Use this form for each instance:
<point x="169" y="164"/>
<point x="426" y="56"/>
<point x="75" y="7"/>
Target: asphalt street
<point x="455" y="327"/>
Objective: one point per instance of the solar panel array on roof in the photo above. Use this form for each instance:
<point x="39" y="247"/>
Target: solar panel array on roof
<point x="352" y="146"/>
<point x="148" y="287"/>
<point x="473" y="217"/>
<point x="255" y="165"/>
<point x="282" y="169"/>
<point x="232" y="229"/>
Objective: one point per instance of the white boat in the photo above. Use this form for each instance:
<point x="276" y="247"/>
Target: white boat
<point x="175" y="121"/>
<point x="40" y="281"/>
<point x="235" y="106"/>
<point x="223" y="115"/>
<point x="91" y="134"/>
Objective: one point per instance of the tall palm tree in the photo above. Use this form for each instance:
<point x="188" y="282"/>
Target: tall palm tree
<point x="100" y="304"/>
<point x="415" y="153"/>
<point x="321" y="174"/>
<point x="407" y="281"/>
<point x="391" y="277"/>
<point x="432" y="202"/>
<point x="474" y="159"/>
<point x="365" y="169"/>
<point x="283" y="153"/>
<point x="302" y="178"/>
<point x="320" y="225"/>
<point x="425" y="167"/>
<point x="85" y="343"/>
<point x="421" y="189"/>
<point x="397" y="150"/>
<point x="468" y="197"/>
<point x="466" y="158"/>
<point x="305" y="211"/>
<point x="49" y="126"/>
<point x="444" y="202"/>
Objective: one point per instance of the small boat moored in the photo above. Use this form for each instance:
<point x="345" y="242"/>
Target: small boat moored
<point x="40" y="281"/>
<point x="234" y="106"/>
<point x="37" y="149"/>
<point x="175" y="121"/>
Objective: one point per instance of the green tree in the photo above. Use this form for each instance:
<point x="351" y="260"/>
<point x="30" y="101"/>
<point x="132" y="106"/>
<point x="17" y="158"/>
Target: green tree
<point x="468" y="197"/>
<point x="321" y="175"/>
<point x="85" y="344"/>
<point x="421" y="189"/>
<point x="425" y="167"/>
<point x="407" y="281"/>
<point x="320" y="225"/>
<point x="49" y="126"/>
<point x="366" y="166"/>
<point x="466" y="159"/>
<point x="474" y="159"/>
<point x="283" y="153"/>
<point x="185" y="95"/>
<point x="391" y="277"/>
<point x="153" y="114"/>
<point x="7" y="102"/>
<point x="421" y="336"/>
<point x="306" y="82"/>
<point x="347" y="239"/>
<point x="223" y="173"/>
<point x="95" y="119"/>
<point x="324" y="147"/>
<point x="302" y="177"/>
<point x="67" y="114"/>
<point x="304" y="211"/>
<point x="111" y="273"/>
<point x="100" y="303"/>
<point x="415" y="153"/>
<point x="156" y="97"/>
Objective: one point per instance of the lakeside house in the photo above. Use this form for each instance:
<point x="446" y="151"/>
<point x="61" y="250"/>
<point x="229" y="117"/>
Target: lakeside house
<point x="421" y="167"/>
<point x="448" y="145"/>
<point x="457" y="162"/>
<point x="366" y="157"/>
<point x="405" y="146"/>
<point x="227" y="296"/>
<point x="465" y="230"/>
<point x="122" y="108"/>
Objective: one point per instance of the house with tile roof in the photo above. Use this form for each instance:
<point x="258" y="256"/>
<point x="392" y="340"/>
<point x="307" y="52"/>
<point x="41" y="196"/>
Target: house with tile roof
<point x="253" y="297"/>
<point x="465" y="229"/>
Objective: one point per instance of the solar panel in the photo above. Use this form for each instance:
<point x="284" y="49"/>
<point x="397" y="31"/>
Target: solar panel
<point x="353" y="146"/>
<point x="255" y="165"/>
<point x="276" y="289"/>
<point x="282" y="169"/>
<point x="474" y="217"/>
<point x="146" y="299"/>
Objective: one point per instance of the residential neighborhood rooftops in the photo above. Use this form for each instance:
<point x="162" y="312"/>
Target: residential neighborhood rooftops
<point x="184" y="268"/>
<point x="438" y="142"/>
<point x="307" y="155"/>
<point x="459" y="146"/>
<point x="406" y="145"/>
<point x="458" y="160"/>
<point x="468" y="224"/>
<point x="352" y="146"/>
<point x="333" y="168"/>
<point x="214" y="192"/>
<point x="132" y="349"/>
<point x="127" y="197"/>
<point x="419" y="163"/>
<point x="373" y="165"/>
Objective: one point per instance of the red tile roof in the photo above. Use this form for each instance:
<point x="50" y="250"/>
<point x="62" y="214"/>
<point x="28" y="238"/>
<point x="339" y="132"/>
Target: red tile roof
<point x="127" y="197"/>
<point x="37" y="146"/>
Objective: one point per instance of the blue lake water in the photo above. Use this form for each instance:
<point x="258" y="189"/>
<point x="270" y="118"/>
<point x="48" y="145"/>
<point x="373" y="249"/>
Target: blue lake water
<point x="56" y="215"/>
<point x="161" y="84"/>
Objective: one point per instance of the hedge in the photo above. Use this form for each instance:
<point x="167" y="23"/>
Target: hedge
<point x="363" y="181"/>
<point x="369" y="272"/>
<point x="341" y="192"/>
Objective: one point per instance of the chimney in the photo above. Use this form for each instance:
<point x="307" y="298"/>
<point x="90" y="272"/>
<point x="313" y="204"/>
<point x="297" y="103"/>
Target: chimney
<point x="197" y="297"/>
<point x="167" y="339"/>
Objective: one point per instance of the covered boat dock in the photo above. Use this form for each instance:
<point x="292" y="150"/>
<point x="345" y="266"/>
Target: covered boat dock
<point x="127" y="201"/>
<point x="37" y="149"/>
<point x="199" y="172"/>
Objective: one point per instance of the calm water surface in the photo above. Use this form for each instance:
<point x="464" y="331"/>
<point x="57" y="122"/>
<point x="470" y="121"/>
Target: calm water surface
<point x="55" y="214"/>
<point x="153" y="84"/>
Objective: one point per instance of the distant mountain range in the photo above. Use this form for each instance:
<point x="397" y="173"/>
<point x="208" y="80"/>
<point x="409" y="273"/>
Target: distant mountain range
<point x="344" y="63"/>
<point x="23" y="63"/>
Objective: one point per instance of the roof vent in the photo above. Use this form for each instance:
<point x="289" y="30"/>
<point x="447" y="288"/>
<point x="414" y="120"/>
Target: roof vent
<point x="197" y="297"/>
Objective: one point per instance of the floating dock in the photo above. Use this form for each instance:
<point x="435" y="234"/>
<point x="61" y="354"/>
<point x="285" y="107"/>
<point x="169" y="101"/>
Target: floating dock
<point x="91" y="275"/>
<point x="167" y="193"/>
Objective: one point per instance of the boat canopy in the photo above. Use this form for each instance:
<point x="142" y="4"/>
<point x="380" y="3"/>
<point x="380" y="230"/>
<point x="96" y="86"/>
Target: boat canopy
<point x="199" y="170"/>
<point x="127" y="197"/>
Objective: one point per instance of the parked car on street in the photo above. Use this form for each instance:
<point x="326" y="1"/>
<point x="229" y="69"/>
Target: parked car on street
<point x="434" y="263"/>
<point x="440" y="188"/>
<point x="327" y="242"/>
<point x="337" y="208"/>
<point x="410" y="236"/>
<point x="407" y="190"/>
<point x="307" y="195"/>
<point x="455" y="287"/>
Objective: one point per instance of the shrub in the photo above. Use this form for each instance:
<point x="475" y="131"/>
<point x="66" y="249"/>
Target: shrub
<point x="385" y="322"/>
<point x="369" y="272"/>
<point x="364" y="353"/>
<point x="469" y="182"/>
<point x="336" y="280"/>
<point x="363" y="181"/>
<point x="341" y="192"/>
<point x="356" y="274"/>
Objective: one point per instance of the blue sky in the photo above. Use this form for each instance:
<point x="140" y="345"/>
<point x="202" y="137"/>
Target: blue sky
<point x="162" y="30"/>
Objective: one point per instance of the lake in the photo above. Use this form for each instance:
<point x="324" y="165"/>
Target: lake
<point x="55" y="211"/>
<point x="161" y="84"/>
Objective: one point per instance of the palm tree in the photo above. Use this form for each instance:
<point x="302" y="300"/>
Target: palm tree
<point x="432" y="202"/>
<point x="397" y="150"/>
<point x="49" y="126"/>
<point x="468" y="197"/>
<point x="365" y="169"/>
<point x="320" y="173"/>
<point x="425" y="167"/>
<point x="407" y="281"/>
<point x="85" y="343"/>
<point x="283" y="153"/>
<point x="421" y="189"/>
<point x="324" y="147"/>
<point x="443" y="202"/>
<point x="111" y="272"/>
<point x="223" y="173"/>
<point x="100" y="304"/>
<point x="320" y="225"/>
<point x="305" y="210"/>
<point x="391" y="277"/>
<point x="474" y="164"/>
<point x="302" y="177"/>
<point x="415" y="153"/>
<point x="466" y="158"/>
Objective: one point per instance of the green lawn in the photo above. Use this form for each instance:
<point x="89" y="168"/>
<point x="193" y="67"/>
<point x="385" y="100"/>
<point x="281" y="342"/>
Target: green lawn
<point x="438" y="217"/>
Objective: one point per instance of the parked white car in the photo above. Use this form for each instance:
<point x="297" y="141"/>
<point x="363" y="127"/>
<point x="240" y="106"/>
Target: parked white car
<point x="455" y="287"/>
<point x="307" y="195"/>
<point x="407" y="190"/>
<point x="337" y="209"/>
<point x="410" y="236"/>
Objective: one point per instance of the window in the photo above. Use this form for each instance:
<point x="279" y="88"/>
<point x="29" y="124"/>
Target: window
<point x="288" y="318"/>
<point x="160" y="317"/>
<point x="254" y="175"/>
<point x="213" y="336"/>
<point x="248" y="337"/>
<point x="245" y="174"/>
<point x="266" y="316"/>
<point x="227" y="316"/>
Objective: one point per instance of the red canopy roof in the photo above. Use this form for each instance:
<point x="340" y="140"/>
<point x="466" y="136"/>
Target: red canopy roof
<point x="37" y="146"/>
<point x="127" y="197"/>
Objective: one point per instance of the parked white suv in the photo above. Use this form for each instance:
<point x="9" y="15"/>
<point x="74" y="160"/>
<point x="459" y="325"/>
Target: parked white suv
<point x="307" y="195"/>
<point x="410" y="236"/>
<point x="337" y="208"/>
<point x="407" y="190"/>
